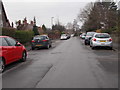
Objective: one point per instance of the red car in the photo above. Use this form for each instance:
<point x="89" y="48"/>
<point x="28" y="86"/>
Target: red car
<point x="10" y="51"/>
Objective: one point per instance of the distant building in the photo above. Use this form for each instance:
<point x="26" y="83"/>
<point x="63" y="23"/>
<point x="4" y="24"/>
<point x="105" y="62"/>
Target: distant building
<point x="24" y="25"/>
<point x="4" y="22"/>
<point x="40" y="30"/>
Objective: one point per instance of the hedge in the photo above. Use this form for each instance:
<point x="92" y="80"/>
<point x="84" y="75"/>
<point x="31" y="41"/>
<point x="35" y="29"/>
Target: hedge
<point x="20" y="35"/>
<point x="8" y="32"/>
<point x="24" y="36"/>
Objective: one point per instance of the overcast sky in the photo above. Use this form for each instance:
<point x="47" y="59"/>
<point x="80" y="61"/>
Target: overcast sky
<point x="64" y="10"/>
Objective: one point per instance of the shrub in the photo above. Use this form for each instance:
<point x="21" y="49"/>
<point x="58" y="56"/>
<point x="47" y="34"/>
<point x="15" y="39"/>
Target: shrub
<point x="8" y="32"/>
<point x="20" y="35"/>
<point x="24" y="36"/>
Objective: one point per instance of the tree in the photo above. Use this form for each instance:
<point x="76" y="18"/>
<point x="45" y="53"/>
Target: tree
<point x="35" y="30"/>
<point x="59" y="27"/>
<point x="44" y="28"/>
<point x="99" y="15"/>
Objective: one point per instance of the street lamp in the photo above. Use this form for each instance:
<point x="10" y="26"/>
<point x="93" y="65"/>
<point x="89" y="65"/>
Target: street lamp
<point x="51" y="22"/>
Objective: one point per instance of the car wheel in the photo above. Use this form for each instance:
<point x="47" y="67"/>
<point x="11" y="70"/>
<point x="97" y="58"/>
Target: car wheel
<point x="85" y="43"/>
<point x="2" y="65"/>
<point x="51" y="45"/>
<point x="24" y="56"/>
<point x="92" y="47"/>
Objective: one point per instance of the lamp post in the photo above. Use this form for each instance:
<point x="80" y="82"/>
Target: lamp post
<point x="51" y="22"/>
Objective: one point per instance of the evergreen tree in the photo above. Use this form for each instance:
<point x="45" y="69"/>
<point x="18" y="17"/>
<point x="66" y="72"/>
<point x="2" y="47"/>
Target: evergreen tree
<point x="44" y="28"/>
<point x="35" y="30"/>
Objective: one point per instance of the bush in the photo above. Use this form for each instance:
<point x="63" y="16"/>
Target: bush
<point x="24" y="36"/>
<point x="8" y="32"/>
<point x="20" y="35"/>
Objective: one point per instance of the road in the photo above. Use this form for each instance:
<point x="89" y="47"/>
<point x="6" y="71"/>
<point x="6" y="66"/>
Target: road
<point x="68" y="64"/>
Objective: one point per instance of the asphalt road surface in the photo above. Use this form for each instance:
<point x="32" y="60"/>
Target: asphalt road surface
<point x="68" y="64"/>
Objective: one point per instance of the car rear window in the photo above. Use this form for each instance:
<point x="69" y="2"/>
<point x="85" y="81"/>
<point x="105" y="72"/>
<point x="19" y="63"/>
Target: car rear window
<point x="39" y="37"/>
<point x="63" y="35"/>
<point x="102" y="35"/>
<point x="83" y="34"/>
<point x="90" y="33"/>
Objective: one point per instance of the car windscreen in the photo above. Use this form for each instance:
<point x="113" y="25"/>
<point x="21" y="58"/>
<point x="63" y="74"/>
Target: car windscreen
<point x="90" y="33"/>
<point x="39" y="38"/>
<point x="63" y="35"/>
<point x="102" y="35"/>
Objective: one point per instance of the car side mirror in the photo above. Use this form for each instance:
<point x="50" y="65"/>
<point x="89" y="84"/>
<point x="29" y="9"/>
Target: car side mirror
<point x="17" y="44"/>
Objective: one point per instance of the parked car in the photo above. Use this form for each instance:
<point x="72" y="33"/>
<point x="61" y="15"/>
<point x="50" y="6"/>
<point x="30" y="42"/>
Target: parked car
<point x="68" y="36"/>
<point x="72" y="35"/>
<point x="88" y="36"/>
<point x="83" y="35"/>
<point x="41" y="41"/>
<point x="64" y="37"/>
<point x="10" y="51"/>
<point x="101" y="40"/>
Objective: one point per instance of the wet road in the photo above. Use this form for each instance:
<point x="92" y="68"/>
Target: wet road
<point x="70" y="64"/>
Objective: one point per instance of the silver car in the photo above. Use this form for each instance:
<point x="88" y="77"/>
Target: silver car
<point x="101" y="40"/>
<point x="64" y="37"/>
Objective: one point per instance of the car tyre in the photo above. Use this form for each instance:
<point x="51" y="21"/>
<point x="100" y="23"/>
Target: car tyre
<point x="85" y="43"/>
<point x="2" y="65"/>
<point x="51" y="45"/>
<point x="93" y="48"/>
<point x="24" y="56"/>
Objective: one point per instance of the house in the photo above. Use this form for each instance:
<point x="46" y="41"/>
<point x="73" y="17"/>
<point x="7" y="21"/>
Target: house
<point x="40" y="30"/>
<point x="24" y="25"/>
<point x="4" y="22"/>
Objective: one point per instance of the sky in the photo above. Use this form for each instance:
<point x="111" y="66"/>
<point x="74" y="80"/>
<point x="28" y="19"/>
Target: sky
<point x="64" y="10"/>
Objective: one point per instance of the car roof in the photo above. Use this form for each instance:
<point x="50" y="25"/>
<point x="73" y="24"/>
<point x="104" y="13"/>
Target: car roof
<point x="40" y="35"/>
<point x="3" y="36"/>
<point x="91" y="32"/>
<point x="102" y="33"/>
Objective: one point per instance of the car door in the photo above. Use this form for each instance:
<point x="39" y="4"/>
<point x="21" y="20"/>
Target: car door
<point x="7" y="51"/>
<point x="17" y="50"/>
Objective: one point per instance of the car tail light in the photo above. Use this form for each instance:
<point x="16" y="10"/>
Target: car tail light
<point x="94" y="39"/>
<point x="32" y="41"/>
<point x="110" y="39"/>
<point x="44" y="40"/>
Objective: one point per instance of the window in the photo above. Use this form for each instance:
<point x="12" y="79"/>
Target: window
<point x="11" y="41"/>
<point x="102" y="36"/>
<point x="90" y="33"/>
<point x="39" y="38"/>
<point x="3" y="42"/>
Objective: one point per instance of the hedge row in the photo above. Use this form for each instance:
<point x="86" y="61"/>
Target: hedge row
<point x="21" y="36"/>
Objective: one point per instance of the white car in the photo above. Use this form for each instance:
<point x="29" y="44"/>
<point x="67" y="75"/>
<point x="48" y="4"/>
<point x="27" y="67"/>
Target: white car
<point x="83" y="35"/>
<point x="101" y="40"/>
<point x="64" y="37"/>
